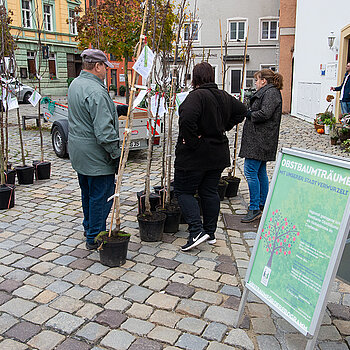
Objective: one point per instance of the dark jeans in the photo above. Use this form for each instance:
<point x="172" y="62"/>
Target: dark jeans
<point x="95" y="191"/>
<point x="186" y="184"/>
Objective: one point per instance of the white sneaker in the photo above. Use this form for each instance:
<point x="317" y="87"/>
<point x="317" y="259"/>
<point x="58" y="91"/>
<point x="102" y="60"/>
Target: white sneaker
<point x="194" y="241"/>
<point x="212" y="239"/>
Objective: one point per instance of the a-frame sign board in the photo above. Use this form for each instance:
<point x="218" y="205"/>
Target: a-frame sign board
<point x="301" y="238"/>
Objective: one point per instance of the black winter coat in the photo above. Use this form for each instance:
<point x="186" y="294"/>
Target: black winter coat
<point x="261" y="130"/>
<point x="206" y="112"/>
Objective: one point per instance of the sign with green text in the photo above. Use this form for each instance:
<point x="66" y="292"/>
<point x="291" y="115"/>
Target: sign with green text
<point x="301" y="236"/>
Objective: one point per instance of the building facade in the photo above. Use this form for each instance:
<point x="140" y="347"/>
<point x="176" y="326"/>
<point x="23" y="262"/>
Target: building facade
<point x="317" y="64"/>
<point x="45" y="33"/>
<point x="287" y="37"/>
<point x="256" y="20"/>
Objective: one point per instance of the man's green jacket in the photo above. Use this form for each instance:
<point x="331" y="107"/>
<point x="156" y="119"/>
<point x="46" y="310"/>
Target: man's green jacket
<point x="93" y="140"/>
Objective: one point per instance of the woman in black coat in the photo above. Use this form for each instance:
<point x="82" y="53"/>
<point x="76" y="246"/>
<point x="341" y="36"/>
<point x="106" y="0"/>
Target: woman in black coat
<point x="260" y="137"/>
<point x="202" y="152"/>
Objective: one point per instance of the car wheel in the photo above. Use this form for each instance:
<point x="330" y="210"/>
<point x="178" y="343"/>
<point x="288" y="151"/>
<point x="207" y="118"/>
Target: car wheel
<point x="59" y="142"/>
<point x="26" y="97"/>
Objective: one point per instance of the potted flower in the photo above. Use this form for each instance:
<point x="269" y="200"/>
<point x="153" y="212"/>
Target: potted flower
<point x="334" y="135"/>
<point x="122" y="90"/>
<point x="329" y="123"/>
<point x="112" y="90"/>
<point x="320" y="119"/>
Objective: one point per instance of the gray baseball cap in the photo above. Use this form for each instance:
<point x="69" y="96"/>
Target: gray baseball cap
<point x="95" y="55"/>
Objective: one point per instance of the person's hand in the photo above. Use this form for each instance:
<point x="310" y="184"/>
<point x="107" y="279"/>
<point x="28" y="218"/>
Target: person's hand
<point x="332" y="88"/>
<point x="122" y="109"/>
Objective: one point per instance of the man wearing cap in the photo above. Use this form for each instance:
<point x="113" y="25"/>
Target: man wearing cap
<point x="93" y="141"/>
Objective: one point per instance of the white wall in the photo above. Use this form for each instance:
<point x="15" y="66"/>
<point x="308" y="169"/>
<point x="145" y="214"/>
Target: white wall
<point x="315" y="19"/>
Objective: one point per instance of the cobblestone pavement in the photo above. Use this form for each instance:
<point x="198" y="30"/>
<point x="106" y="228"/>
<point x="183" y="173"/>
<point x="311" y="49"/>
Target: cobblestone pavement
<point x="54" y="294"/>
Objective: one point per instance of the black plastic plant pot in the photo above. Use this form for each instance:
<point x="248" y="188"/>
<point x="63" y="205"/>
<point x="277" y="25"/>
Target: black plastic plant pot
<point x="173" y="216"/>
<point x="154" y="199"/>
<point x="222" y="189"/>
<point x="10" y="176"/>
<point x="151" y="227"/>
<point x="42" y="170"/>
<point x="232" y="187"/>
<point x="7" y="196"/>
<point x="25" y="174"/>
<point x="114" y="252"/>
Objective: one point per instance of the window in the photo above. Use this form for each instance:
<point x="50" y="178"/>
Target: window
<point x="237" y="30"/>
<point x="235" y="81"/>
<point x="31" y="64"/>
<point x="72" y="22"/>
<point x="191" y="31"/>
<point x="48" y="18"/>
<point x="269" y="30"/>
<point x="52" y="66"/>
<point x="268" y="66"/>
<point x="27" y="13"/>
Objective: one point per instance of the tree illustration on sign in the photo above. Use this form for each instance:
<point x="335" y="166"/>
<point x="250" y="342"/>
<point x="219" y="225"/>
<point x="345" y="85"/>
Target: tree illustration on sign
<point x="278" y="237"/>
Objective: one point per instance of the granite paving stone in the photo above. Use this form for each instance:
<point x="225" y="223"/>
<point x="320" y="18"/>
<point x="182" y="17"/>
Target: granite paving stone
<point x="94" y="282"/>
<point x="191" y="307"/>
<point x="73" y="344"/>
<point x="89" y="311"/>
<point x="134" y="277"/>
<point x="145" y="344"/>
<point x="27" y="292"/>
<point x="208" y="297"/>
<point x="218" y="346"/>
<point x="215" y="331"/>
<point x="165" y="318"/>
<point x="116" y="288"/>
<point x="191" y="325"/>
<point x="238" y="337"/>
<point x="180" y="290"/>
<point x="119" y="340"/>
<point x="92" y="331"/>
<point x="162" y="301"/>
<point x="67" y="304"/>
<point x="221" y="314"/>
<point x="77" y="292"/>
<point x="17" y="307"/>
<point x="191" y="342"/>
<point x="268" y="342"/>
<point x="183" y="278"/>
<point x="166" y="263"/>
<point x="23" y="331"/>
<point x="10" y="344"/>
<point x="65" y="322"/>
<point x="164" y="334"/>
<point x="9" y="285"/>
<point x="111" y="318"/>
<point x="46" y="340"/>
<point x="162" y="273"/>
<point x="205" y="284"/>
<point x="139" y="311"/>
<point x="139" y="327"/>
<point x="118" y="304"/>
<point x="4" y="297"/>
<point x="45" y="297"/>
<point x="6" y="322"/>
<point x="332" y="346"/>
<point x="59" y="286"/>
<point x="40" y="314"/>
<point x="137" y="293"/>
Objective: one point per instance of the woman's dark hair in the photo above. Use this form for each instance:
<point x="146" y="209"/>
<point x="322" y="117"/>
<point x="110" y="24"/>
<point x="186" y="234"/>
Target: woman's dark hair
<point x="271" y="77"/>
<point x="202" y="73"/>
